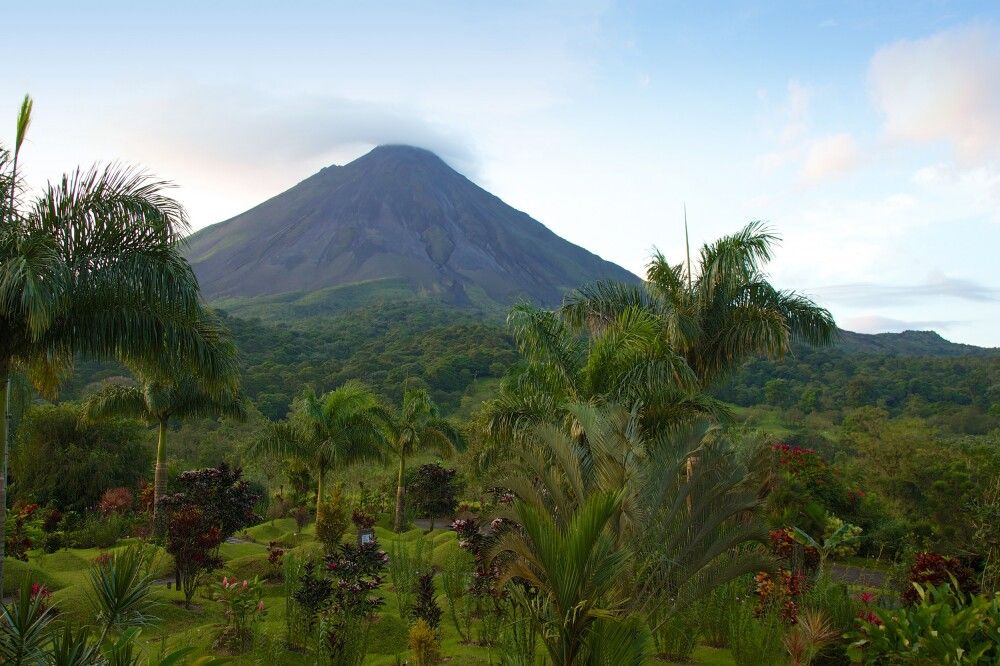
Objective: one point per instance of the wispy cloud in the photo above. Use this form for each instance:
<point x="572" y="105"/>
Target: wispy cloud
<point x="879" y="324"/>
<point x="830" y="157"/>
<point x="872" y="294"/>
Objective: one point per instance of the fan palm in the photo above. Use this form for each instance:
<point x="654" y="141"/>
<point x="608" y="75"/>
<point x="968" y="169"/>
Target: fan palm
<point x="343" y="426"/>
<point x="716" y="316"/>
<point x="92" y="265"/>
<point x="158" y="400"/>
<point x="417" y="425"/>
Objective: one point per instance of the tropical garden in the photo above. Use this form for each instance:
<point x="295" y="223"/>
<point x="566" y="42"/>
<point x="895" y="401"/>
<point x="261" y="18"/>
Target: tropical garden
<point x="606" y="491"/>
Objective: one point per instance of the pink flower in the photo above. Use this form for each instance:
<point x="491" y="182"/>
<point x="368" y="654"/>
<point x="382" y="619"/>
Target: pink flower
<point x="225" y="581"/>
<point x="867" y="597"/>
<point x="244" y="585"/>
<point x="260" y="605"/>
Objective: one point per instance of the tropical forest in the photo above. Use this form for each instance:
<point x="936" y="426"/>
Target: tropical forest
<point x="384" y="418"/>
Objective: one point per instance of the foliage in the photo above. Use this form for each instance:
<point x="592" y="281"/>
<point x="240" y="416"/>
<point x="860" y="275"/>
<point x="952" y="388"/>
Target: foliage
<point x="242" y="608"/>
<point x="115" y="501"/>
<point x="433" y="490"/>
<point x="312" y="593"/>
<point x="18" y="542"/>
<point x="425" y="606"/>
<point x="23" y="628"/>
<point x="946" y="626"/>
<point x="407" y="562"/>
<point x="227" y="499"/>
<point x="358" y="571"/>
<point x="332" y="519"/>
<point x="192" y="540"/>
<point x="676" y="636"/>
<point x="457" y="577"/>
<point x="752" y="640"/>
<point x="121" y="588"/>
<point x="934" y="570"/>
<point x="62" y="459"/>
<point x="424" y="644"/>
<point x="418" y="425"/>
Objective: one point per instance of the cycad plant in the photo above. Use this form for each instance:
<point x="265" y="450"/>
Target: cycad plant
<point x="613" y="499"/>
<point x="92" y="265"/>
<point x="417" y="425"/>
<point x="158" y="400"/>
<point x="328" y="431"/>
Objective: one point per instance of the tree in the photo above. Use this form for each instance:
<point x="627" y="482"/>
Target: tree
<point x="434" y="490"/>
<point x="62" y="458"/>
<point x="417" y="425"/>
<point x="343" y="426"/>
<point x="717" y="315"/>
<point x="157" y="401"/>
<point x="92" y="265"/>
<point x="626" y="362"/>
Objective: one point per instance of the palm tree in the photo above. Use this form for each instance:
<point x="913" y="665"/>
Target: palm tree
<point x="157" y="401"/>
<point x="415" y="426"/>
<point x="716" y="316"/>
<point x="92" y="265"/>
<point x="343" y="426"/>
<point x="626" y="362"/>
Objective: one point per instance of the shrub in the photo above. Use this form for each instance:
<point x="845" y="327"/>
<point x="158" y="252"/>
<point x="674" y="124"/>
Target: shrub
<point x="945" y="626"/>
<point x="115" y="501"/>
<point x="425" y="607"/>
<point x="456" y="577"/>
<point x="676" y="636"/>
<point x="16" y="535"/>
<point x="406" y="564"/>
<point x="332" y="521"/>
<point x="192" y="541"/>
<point x="312" y="593"/>
<point x="359" y="571"/>
<point x="931" y="569"/>
<point x="52" y="542"/>
<point x="275" y="555"/>
<point x="242" y="608"/>
<point x="301" y="516"/>
<point x="424" y="645"/>
<point x="51" y="519"/>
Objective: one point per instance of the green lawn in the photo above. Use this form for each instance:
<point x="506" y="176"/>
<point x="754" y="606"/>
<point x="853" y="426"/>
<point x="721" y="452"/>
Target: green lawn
<point x="65" y="573"/>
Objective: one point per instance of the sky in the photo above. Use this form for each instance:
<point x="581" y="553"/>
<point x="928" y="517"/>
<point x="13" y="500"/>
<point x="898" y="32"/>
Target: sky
<point x="866" y="134"/>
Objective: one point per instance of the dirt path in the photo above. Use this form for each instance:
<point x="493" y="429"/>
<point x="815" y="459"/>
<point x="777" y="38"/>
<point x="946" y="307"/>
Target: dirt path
<point x="852" y="575"/>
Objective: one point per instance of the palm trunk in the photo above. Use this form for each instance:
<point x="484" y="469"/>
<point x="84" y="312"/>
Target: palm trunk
<point x="160" y="472"/>
<point x="398" y="523"/>
<point x="5" y="435"/>
<point x="319" y="495"/>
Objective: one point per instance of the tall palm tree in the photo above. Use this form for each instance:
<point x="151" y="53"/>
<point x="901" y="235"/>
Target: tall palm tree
<point x="343" y="426"/>
<point x="158" y="400"/>
<point x="418" y="425"/>
<point x="92" y="265"/>
<point x="715" y="315"/>
<point x="626" y="362"/>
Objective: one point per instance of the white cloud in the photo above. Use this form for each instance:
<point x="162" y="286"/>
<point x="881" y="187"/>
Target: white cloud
<point x="945" y="87"/>
<point x="830" y="157"/>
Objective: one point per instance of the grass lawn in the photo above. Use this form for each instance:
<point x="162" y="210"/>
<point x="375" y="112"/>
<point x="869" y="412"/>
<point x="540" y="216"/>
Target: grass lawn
<point x="66" y="573"/>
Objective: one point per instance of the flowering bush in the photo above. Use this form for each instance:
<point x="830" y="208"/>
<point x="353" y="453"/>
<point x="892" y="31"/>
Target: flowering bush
<point x="42" y="594"/>
<point x="18" y="542"/>
<point x="945" y="626"/>
<point x="931" y="569"/>
<point x="243" y="607"/>
<point x="783" y="592"/>
<point x="115" y="501"/>
<point x="275" y="557"/>
<point x="358" y="571"/>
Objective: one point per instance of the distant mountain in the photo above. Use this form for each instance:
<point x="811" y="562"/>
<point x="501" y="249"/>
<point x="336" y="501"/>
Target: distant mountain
<point x="909" y="343"/>
<point x="396" y="214"/>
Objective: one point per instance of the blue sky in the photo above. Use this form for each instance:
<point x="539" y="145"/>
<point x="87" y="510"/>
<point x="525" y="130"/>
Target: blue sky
<point x="867" y="134"/>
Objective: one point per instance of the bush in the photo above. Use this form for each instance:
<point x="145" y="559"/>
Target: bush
<point x="425" y="607"/>
<point x="242" y="608"/>
<point x="931" y="569"/>
<point x="52" y="542"/>
<point x="97" y="532"/>
<point x="424" y="645"/>
<point x="332" y="520"/>
<point x="676" y="637"/>
<point x="68" y="461"/>
<point x="945" y="626"/>
<point x="115" y="501"/>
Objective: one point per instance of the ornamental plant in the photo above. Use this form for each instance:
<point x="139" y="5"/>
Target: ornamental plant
<point x="115" y="501"/>
<point x="243" y="607"/>
<point x="944" y="626"/>
<point x="358" y="571"/>
<point x="425" y="606"/>
<point x="932" y="569"/>
<point x="193" y="541"/>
